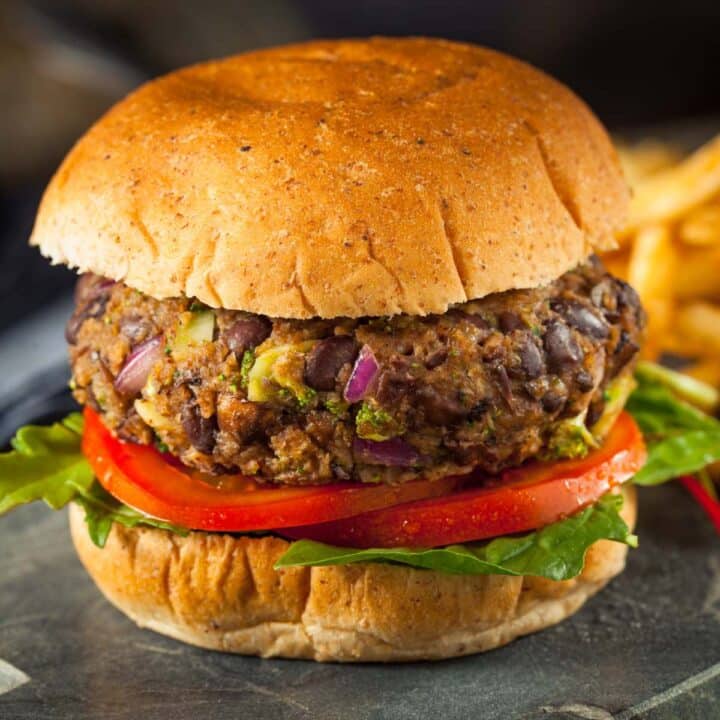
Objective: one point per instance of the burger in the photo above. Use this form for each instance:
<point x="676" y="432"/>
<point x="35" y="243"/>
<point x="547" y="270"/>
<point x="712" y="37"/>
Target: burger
<point x="352" y="373"/>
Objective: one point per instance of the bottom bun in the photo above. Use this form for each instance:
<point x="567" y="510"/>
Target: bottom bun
<point x="221" y="592"/>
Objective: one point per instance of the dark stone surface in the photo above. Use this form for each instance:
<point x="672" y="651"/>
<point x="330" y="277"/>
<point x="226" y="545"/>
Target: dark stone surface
<point x="647" y="647"/>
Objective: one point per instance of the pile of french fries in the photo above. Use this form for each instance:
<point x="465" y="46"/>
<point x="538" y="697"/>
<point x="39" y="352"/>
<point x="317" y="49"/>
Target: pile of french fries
<point x="670" y="251"/>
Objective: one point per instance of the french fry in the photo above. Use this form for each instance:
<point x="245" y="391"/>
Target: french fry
<point x="698" y="274"/>
<point x="670" y="251"/>
<point x="701" y="226"/>
<point x="673" y="192"/>
<point x="646" y="158"/>
<point x="652" y="261"/>
<point x="698" y="324"/>
<point x="650" y="270"/>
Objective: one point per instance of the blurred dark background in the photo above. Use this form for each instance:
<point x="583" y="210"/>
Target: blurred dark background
<point x="63" y="63"/>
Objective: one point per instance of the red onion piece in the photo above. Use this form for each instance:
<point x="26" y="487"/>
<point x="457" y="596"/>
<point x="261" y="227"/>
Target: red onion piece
<point x="363" y="373"/>
<point x="134" y="373"/>
<point x="394" y="452"/>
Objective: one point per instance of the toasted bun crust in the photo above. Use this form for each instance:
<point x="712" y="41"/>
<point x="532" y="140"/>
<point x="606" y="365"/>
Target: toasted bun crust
<point x="338" y="178"/>
<point x="221" y="592"/>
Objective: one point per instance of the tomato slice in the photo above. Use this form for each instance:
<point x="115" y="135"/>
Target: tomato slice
<point x="139" y="476"/>
<point x="523" y="499"/>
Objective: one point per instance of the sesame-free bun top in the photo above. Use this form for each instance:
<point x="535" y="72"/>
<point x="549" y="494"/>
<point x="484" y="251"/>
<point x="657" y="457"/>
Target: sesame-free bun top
<point x="338" y="178"/>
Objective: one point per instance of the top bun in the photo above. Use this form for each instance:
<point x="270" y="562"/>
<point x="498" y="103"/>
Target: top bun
<point x="339" y="178"/>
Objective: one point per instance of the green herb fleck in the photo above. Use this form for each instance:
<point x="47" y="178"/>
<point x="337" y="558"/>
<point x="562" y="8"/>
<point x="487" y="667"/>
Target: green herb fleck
<point x="248" y="360"/>
<point x="336" y="406"/>
<point x="374" y="423"/>
<point x="305" y="396"/>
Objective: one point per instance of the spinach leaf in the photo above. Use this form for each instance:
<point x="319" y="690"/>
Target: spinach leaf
<point x="556" y="551"/>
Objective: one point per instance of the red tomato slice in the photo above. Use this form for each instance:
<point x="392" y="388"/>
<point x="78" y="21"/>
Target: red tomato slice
<point x="523" y="499"/>
<point x="139" y="476"/>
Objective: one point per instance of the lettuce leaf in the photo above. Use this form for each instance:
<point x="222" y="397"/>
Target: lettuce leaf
<point x="46" y="463"/>
<point x="102" y="510"/>
<point x="681" y="439"/>
<point x="556" y="551"/>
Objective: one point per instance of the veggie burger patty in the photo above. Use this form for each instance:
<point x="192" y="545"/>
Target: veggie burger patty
<point x="489" y="384"/>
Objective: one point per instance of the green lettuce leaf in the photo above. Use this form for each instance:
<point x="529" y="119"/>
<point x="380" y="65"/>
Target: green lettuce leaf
<point x="46" y="463"/>
<point x="556" y="551"/>
<point x="681" y="439"/>
<point x="102" y="510"/>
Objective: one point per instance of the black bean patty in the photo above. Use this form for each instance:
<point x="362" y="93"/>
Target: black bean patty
<point x="487" y="384"/>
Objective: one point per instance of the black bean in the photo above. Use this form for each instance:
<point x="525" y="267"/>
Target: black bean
<point x="599" y="292"/>
<point x="326" y="359"/>
<point x="552" y="401"/>
<point x="391" y="387"/>
<point x="625" y="351"/>
<point x="72" y="327"/>
<point x="394" y="381"/>
<point x="247" y="334"/>
<point x="200" y="430"/>
<point x="440" y="407"/>
<point x="581" y="318"/>
<point x="478" y="410"/>
<point x="135" y="328"/>
<point x="595" y="411"/>
<point x="84" y="286"/>
<point x="476" y="320"/>
<point x="584" y="381"/>
<point x="436" y="358"/>
<point x="90" y="286"/>
<point x="504" y="385"/>
<point x="626" y="295"/>
<point x="90" y="309"/>
<point x="340" y="472"/>
<point x="561" y="348"/>
<point x="509" y="321"/>
<point x="531" y="359"/>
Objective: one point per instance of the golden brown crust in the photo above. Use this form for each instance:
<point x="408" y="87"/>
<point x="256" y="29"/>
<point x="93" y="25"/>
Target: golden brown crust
<point x="363" y="177"/>
<point x="221" y="592"/>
